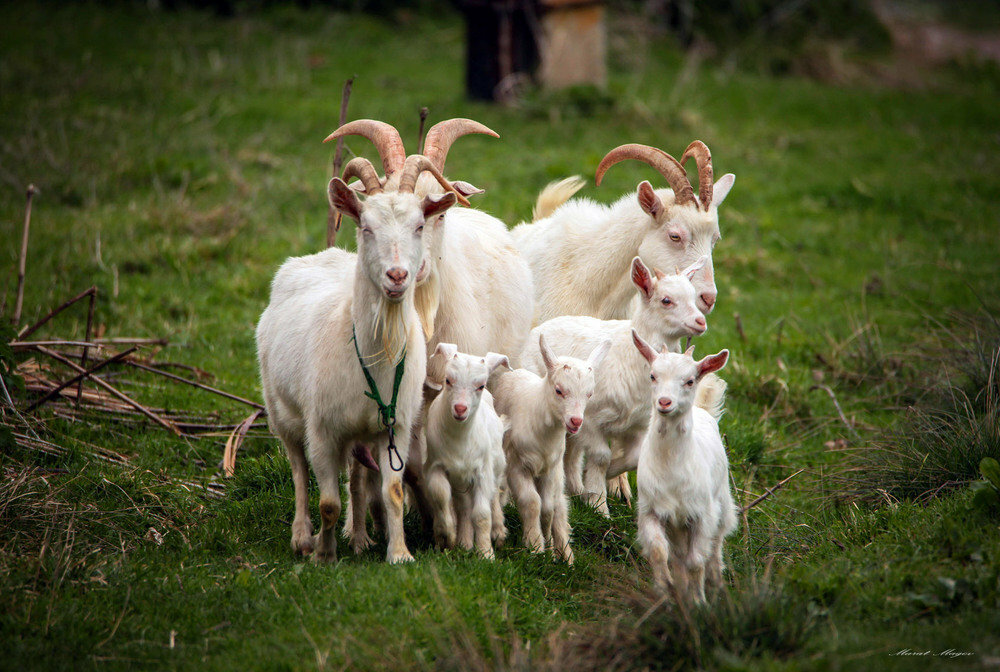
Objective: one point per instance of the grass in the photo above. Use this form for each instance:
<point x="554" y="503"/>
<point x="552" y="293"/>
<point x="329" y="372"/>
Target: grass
<point x="179" y="161"/>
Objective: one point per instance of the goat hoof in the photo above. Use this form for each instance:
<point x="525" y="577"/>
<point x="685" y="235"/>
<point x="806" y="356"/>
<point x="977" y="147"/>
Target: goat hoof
<point x="302" y="545"/>
<point x="324" y="557"/>
<point x="361" y="543"/>
<point x="399" y="558"/>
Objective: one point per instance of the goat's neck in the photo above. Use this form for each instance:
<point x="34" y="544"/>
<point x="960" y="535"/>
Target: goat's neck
<point x="652" y="330"/>
<point x="374" y="317"/>
<point x="671" y="433"/>
<point x="542" y="412"/>
<point x="613" y="245"/>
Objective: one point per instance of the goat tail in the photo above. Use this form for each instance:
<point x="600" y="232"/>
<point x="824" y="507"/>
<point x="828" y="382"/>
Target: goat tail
<point x="711" y="395"/>
<point x="554" y="195"/>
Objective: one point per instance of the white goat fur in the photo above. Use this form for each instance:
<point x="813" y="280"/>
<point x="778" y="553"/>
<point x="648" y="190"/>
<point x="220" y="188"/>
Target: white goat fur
<point x="313" y="384"/>
<point x="685" y="507"/>
<point x="465" y="464"/>
<point x="565" y="244"/>
<point x="618" y="418"/>
<point x="541" y="410"/>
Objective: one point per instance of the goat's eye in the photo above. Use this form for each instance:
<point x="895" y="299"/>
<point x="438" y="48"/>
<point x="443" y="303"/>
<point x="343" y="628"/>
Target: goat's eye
<point x="365" y="230"/>
<point x="447" y="381"/>
<point x="420" y="228"/>
<point x="675" y="237"/>
<point x="689" y="383"/>
<point x="590" y="394"/>
<point x="652" y="377"/>
<point x="559" y="391"/>
<point x="666" y="301"/>
<point x="480" y="388"/>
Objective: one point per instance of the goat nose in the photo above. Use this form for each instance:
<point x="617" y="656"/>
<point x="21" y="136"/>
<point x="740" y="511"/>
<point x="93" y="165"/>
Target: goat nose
<point x="700" y="321"/>
<point x="460" y="409"/>
<point x="397" y="274"/>
<point x="575" y="422"/>
<point x="708" y="298"/>
<point x="664" y="403"/>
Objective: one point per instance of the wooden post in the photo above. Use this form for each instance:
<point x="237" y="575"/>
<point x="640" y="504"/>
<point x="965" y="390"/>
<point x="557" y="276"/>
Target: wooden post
<point x="574" y="46"/>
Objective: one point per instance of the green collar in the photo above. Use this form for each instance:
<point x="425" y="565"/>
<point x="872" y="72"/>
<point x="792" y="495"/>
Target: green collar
<point x="387" y="412"/>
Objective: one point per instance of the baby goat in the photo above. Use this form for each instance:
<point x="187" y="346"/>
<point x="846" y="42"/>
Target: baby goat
<point x="465" y="466"/>
<point x="541" y="411"/>
<point x="685" y="506"/>
<point x="667" y="312"/>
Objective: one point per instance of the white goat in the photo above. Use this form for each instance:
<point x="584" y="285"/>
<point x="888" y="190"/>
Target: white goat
<point x="667" y="311"/>
<point x="541" y="411"/>
<point x="666" y="228"/>
<point x="328" y="309"/>
<point x="465" y="465"/>
<point x="685" y="506"/>
<point x="473" y="289"/>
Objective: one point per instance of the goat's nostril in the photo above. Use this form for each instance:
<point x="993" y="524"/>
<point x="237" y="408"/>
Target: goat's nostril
<point x="700" y="321"/>
<point x="708" y="298"/>
<point x="664" y="402"/>
<point x="397" y="275"/>
<point x="460" y="409"/>
<point x="575" y="422"/>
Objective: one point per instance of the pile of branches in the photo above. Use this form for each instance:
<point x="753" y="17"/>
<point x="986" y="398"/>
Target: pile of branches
<point x="82" y="380"/>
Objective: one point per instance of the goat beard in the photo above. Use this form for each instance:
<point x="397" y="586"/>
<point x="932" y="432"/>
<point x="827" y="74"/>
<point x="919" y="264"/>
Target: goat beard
<point x="389" y="327"/>
<point x="428" y="299"/>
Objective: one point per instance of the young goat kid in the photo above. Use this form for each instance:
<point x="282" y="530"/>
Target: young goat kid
<point x="465" y="465"/>
<point x="541" y="410"/>
<point x="328" y="310"/>
<point x="685" y="506"/>
<point x="667" y="312"/>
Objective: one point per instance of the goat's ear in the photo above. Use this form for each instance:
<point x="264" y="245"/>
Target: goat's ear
<point x="548" y="357"/>
<point x="344" y="199"/>
<point x="467" y="189"/>
<point x="721" y="188"/>
<point x="435" y="204"/>
<point x="644" y="348"/>
<point x="598" y="354"/>
<point x="712" y="363"/>
<point x="448" y="350"/>
<point x="695" y="267"/>
<point x="431" y="390"/>
<point x="648" y="200"/>
<point x="493" y="360"/>
<point x="642" y="278"/>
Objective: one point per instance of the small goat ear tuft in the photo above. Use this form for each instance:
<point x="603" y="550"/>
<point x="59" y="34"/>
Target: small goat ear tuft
<point x="494" y="360"/>
<point x="641" y="277"/>
<point x="447" y="350"/>
<point x="695" y="267"/>
<point x="548" y="357"/>
<point x="648" y="200"/>
<point x="712" y="363"/>
<point x="344" y="199"/>
<point x="467" y="189"/>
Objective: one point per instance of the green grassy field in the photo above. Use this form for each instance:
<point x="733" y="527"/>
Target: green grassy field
<point x="180" y="161"/>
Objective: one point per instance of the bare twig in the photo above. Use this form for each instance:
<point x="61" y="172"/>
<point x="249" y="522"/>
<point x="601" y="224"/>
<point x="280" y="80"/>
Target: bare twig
<point x="200" y="386"/>
<point x="6" y="394"/>
<point x="770" y="491"/>
<point x="22" y="264"/>
<point x="28" y="331"/>
<point x="739" y="328"/>
<point x="86" y="337"/>
<point x="234" y="442"/>
<point x="31" y="345"/>
<point x="420" y="133"/>
<point x="121" y="395"/>
<point x="132" y="341"/>
<point x="333" y="218"/>
<point x="79" y="379"/>
<point x="840" y="412"/>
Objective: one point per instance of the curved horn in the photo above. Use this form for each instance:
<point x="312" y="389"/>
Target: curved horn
<point x="657" y="158"/>
<point x="362" y="168"/>
<point x="442" y="134"/>
<point x="703" y="157"/>
<point x="385" y="138"/>
<point x="418" y="163"/>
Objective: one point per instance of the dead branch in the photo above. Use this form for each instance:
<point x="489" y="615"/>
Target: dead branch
<point x="79" y="378"/>
<point x="234" y="442"/>
<point x="107" y="386"/>
<point x="200" y="386"/>
<point x="28" y="331"/>
<point x="770" y="491"/>
<point x="23" y="263"/>
<point x="333" y="218"/>
<point x="86" y="337"/>
<point x="840" y="412"/>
